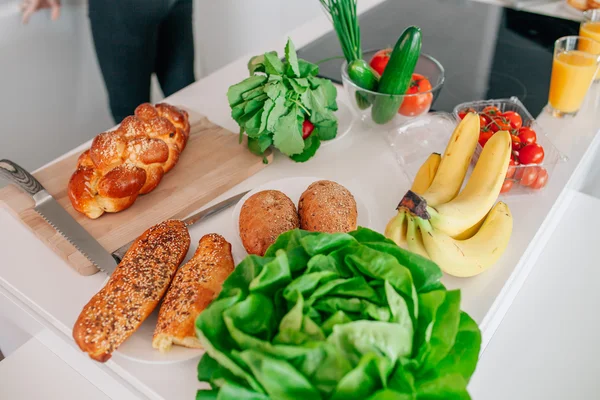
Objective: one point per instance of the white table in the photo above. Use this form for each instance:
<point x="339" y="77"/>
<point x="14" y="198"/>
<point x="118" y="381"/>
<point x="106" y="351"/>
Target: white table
<point x="42" y="289"/>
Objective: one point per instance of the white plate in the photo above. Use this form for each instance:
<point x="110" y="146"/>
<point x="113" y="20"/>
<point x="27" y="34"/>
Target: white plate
<point x="293" y="188"/>
<point x="139" y="346"/>
<point x="345" y="121"/>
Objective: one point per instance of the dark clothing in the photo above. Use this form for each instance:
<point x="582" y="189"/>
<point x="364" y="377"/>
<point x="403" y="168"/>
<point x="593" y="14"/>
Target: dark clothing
<point x="135" y="38"/>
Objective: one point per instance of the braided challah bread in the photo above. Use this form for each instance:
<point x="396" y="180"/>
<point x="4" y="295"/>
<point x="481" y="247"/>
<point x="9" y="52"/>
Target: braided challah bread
<point x="129" y="161"/>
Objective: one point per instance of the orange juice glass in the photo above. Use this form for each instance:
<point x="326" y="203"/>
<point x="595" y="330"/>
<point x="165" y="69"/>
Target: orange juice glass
<point x="573" y="70"/>
<point x="590" y="28"/>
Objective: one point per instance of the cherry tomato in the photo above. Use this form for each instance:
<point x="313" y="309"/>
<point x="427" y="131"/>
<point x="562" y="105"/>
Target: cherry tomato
<point x="507" y="185"/>
<point x="307" y="128"/>
<point x="527" y="135"/>
<point x="484" y="135"/>
<point x="516" y="142"/>
<point x="380" y="60"/>
<point x="518" y="173"/>
<point x="529" y="175"/>
<point x="513" y="118"/>
<point x="542" y="179"/>
<point x="491" y="111"/>
<point x="483" y="120"/>
<point x="463" y="113"/>
<point x="500" y="124"/>
<point x="531" y="154"/>
<point x="515" y="156"/>
<point x="511" y="168"/>
<point x="417" y="105"/>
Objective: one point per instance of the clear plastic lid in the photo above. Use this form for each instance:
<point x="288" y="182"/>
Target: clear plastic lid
<point x="415" y="140"/>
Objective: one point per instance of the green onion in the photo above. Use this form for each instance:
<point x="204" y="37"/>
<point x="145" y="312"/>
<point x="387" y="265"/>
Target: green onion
<point x="345" y="23"/>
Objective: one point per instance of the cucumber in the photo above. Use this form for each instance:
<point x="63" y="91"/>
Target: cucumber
<point x="361" y="73"/>
<point x="395" y="79"/>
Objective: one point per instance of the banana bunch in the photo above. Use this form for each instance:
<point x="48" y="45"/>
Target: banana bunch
<point x="463" y="231"/>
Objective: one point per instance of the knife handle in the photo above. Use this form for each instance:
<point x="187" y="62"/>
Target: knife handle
<point x="14" y="173"/>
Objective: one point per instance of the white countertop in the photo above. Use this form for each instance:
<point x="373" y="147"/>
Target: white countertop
<point x="38" y="279"/>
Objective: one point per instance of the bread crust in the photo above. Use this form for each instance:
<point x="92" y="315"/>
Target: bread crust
<point x="129" y="161"/>
<point x="327" y="206"/>
<point x="263" y="217"/>
<point x="133" y="290"/>
<point x="194" y="287"/>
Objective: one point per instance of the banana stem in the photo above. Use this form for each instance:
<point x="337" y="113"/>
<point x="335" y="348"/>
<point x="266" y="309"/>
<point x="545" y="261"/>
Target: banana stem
<point x="414" y="203"/>
<point x="424" y="224"/>
<point x="433" y="214"/>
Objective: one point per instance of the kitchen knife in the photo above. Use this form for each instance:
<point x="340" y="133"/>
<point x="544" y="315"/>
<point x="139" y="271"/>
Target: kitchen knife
<point x="192" y="219"/>
<point x="55" y="215"/>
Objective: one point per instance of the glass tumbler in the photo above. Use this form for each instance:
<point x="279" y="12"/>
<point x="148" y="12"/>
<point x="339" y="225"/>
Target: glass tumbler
<point x="590" y="28"/>
<point x="573" y="69"/>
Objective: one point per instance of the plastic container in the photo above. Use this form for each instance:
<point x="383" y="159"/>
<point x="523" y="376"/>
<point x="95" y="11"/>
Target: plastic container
<point x="414" y="141"/>
<point x="551" y="155"/>
<point x="426" y="66"/>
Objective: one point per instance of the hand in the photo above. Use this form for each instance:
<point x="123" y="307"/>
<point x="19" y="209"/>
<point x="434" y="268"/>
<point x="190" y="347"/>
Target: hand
<point x="28" y="7"/>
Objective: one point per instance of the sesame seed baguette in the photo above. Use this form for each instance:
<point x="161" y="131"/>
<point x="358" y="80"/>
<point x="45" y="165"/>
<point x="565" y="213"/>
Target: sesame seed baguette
<point x="194" y="287"/>
<point x="133" y="290"/>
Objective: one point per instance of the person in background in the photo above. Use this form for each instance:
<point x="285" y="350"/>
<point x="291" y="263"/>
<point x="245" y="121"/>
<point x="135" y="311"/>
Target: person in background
<point x="134" y="39"/>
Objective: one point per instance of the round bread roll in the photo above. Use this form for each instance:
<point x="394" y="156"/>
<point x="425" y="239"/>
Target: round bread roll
<point x="326" y="206"/>
<point x="263" y="217"/>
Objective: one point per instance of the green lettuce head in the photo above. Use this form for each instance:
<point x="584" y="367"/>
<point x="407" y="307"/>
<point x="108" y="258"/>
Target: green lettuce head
<point x="336" y="316"/>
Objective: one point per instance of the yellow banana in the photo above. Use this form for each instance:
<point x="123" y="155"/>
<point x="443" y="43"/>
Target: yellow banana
<point x="455" y="162"/>
<point x="464" y="258"/>
<point x="423" y="180"/>
<point x="414" y="239"/>
<point x="481" y="191"/>
<point x="426" y="173"/>
<point x="396" y="228"/>
<point x="470" y="232"/>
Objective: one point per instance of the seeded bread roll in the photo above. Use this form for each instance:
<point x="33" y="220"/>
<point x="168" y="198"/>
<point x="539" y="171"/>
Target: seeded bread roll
<point x="326" y="206"/>
<point x="194" y="287"/>
<point x="264" y="216"/>
<point x="133" y="290"/>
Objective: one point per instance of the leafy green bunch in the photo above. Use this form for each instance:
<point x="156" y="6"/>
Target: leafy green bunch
<point x="271" y="105"/>
<point x="336" y="316"/>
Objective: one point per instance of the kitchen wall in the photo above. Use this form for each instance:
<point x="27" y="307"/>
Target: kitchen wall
<point x="52" y="94"/>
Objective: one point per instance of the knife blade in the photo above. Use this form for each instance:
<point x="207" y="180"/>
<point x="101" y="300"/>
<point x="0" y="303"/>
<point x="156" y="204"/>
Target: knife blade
<point x="192" y="219"/>
<point x="58" y="217"/>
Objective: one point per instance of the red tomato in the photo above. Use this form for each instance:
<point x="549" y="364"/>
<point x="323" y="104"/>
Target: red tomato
<point x="529" y="175"/>
<point x="507" y="185"/>
<point x="518" y="173"/>
<point x="513" y="118"/>
<point x="527" y="135"/>
<point x="484" y="135"/>
<point x="500" y="124"/>
<point x="307" y="128"/>
<point x="462" y="114"/>
<point x="516" y="142"/>
<point x="380" y="60"/>
<point x="483" y="120"/>
<point x="417" y="105"/>
<point x="542" y="179"/>
<point x="491" y="111"/>
<point x="511" y="168"/>
<point x="531" y="154"/>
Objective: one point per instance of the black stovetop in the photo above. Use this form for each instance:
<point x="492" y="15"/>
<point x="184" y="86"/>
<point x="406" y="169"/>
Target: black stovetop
<point x="488" y="52"/>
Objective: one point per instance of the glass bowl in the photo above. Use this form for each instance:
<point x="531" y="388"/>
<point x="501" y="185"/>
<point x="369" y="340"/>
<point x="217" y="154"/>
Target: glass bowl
<point x="426" y="66"/>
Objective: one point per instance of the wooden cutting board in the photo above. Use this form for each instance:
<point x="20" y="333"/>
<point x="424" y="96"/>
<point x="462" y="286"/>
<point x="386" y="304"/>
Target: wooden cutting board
<point x="212" y="162"/>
